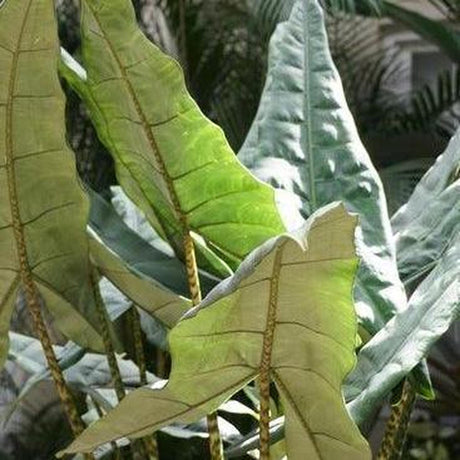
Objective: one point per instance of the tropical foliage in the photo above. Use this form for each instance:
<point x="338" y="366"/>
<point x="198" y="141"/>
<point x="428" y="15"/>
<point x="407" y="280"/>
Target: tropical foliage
<point x="261" y="302"/>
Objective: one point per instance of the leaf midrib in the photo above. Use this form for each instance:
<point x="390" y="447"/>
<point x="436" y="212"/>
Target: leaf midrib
<point x="146" y="128"/>
<point x="18" y="229"/>
<point x="306" y="127"/>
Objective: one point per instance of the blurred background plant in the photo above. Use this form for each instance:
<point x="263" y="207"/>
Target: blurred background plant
<point x="402" y="85"/>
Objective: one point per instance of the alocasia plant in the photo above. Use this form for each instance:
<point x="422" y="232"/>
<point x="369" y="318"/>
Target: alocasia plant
<point x="304" y="141"/>
<point x="286" y="317"/>
<point x="270" y="320"/>
<point x="171" y="161"/>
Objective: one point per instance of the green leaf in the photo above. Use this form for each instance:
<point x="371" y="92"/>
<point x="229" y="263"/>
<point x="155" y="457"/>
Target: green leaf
<point x="304" y="141"/>
<point x="425" y="226"/>
<point x="148" y="294"/>
<point x="406" y="339"/>
<point x="43" y="209"/>
<point x="145" y="274"/>
<point x="299" y="284"/>
<point x="25" y="350"/>
<point x="73" y="73"/>
<point x="161" y="264"/>
<point x="172" y="162"/>
<point x="136" y="221"/>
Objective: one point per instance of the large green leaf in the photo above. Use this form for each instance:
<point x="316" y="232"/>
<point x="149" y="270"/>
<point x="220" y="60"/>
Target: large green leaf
<point x="43" y="209"/>
<point x="305" y="142"/>
<point x="407" y="338"/>
<point x="282" y="298"/>
<point x="425" y="226"/>
<point x="172" y="162"/>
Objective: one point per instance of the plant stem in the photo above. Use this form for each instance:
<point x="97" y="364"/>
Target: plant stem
<point x="65" y="395"/>
<point x="109" y="349"/>
<point x="396" y="429"/>
<point x="215" y="441"/>
<point x="150" y="442"/>
<point x="68" y="402"/>
<point x="112" y="443"/>
<point x="264" y="372"/>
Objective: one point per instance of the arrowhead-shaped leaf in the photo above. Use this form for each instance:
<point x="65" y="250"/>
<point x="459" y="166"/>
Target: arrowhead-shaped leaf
<point x="305" y="142"/>
<point x="406" y="339"/>
<point x="43" y="209"/>
<point x="425" y="226"/>
<point x="299" y="290"/>
<point x="172" y="162"/>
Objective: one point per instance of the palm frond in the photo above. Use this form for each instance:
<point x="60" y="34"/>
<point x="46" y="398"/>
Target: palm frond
<point x="434" y="107"/>
<point x="367" y="7"/>
<point x="449" y="8"/>
<point x="369" y="71"/>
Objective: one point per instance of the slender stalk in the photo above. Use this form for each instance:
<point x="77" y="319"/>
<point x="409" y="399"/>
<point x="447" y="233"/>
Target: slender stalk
<point x="264" y="370"/>
<point x="215" y="441"/>
<point x="110" y="353"/>
<point x="109" y="349"/>
<point x="68" y="402"/>
<point x="396" y="429"/>
<point x="65" y="395"/>
<point x="150" y="442"/>
<point x="161" y="361"/>
<point x="264" y="417"/>
<point x="113" y="443"/>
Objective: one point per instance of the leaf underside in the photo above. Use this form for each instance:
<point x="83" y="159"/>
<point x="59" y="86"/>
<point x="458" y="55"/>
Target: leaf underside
<point x="304" y="141"/>
<point x="426" y="225"/>
<point x="407" y="338"/>
<point x="43" y="208"/>
<point x="171" y="161"/>
<point x="281" y="288"/>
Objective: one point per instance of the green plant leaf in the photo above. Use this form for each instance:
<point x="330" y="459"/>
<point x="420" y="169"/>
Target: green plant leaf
<point x="373" y="7"/>
<point x="43" y="209"/>
<point x="406" y="339"/>
<point x="301" y="283"/>
<point x="152" y="279"/>
<point x="172" y="162"/>
<point x="25" y="350"/>
<point x="136" y="221"/>
<point x="138" y="254"/>
<point x="82" y="370"/>
<point x="304" y="141"/>
<point x="425" y="226"/>
<point x="163" y="304"/>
